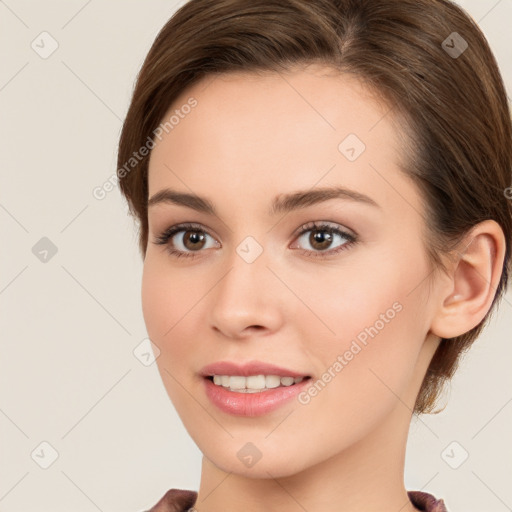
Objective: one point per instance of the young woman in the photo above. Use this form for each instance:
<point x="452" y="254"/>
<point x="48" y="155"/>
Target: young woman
<point x="323" y="192"/>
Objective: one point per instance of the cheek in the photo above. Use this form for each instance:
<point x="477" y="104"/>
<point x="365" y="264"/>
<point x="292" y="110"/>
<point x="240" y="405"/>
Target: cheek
<point x="165" y="302"/>
<point x="156" y="299"/>
<point x="166" y="296"/>
<point x="367" y="331"/>
<point x="171" y="307"/>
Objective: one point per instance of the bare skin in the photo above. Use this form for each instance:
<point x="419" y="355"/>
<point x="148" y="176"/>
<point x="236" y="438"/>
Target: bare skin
<point x="249" y="140"/>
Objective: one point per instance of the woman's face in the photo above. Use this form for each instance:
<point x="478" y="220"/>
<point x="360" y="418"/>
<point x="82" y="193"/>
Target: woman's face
<point x="351" y="311"/>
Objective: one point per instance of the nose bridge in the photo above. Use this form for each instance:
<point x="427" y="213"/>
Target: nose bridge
<point x="247" y="268"/>
<point x="246" y="295"/>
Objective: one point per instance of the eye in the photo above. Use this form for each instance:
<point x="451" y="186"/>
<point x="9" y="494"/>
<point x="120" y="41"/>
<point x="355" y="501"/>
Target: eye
<point x="192" y="241"/>
<point x="321" y="237"/>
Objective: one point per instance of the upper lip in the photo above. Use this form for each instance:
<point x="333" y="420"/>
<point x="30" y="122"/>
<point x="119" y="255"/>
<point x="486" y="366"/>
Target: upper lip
<point x="246" y="369"/>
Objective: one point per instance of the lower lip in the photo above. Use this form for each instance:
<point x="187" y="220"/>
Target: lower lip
<point x="252" y="404"/>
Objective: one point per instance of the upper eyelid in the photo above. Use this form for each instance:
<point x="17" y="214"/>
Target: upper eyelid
<point x="320" y="224"/>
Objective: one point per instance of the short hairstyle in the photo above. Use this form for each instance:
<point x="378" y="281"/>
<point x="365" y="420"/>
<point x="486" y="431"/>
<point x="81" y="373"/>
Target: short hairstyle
<point x="426" y="59"/>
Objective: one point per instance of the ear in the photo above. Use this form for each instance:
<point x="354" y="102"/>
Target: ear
<point x="472" y="283"/>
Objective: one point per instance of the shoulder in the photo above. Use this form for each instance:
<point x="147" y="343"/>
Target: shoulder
<point x="175" y="500"/>
<point x="426" y="502"/>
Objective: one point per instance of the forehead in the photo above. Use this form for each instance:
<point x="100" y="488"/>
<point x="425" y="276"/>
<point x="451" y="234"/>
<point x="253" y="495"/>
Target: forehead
<point x="274" y="132"/>
<point x="267" y="102"/>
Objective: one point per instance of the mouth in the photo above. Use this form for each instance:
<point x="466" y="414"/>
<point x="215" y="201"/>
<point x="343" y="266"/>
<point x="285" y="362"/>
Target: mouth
<point x="252" y="388"/>
<point x="254" y="383"/>
<point x="249" y="396"/>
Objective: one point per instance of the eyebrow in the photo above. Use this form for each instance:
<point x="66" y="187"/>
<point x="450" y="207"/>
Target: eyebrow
<point x="281" y="204"/>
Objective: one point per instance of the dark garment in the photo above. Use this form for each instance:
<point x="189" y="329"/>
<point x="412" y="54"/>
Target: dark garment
<point x="180" y="500"/>
<point x="426" y="502"/>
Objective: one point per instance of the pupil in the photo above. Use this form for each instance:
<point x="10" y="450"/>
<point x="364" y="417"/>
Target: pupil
<point x="323" y="238"/>
<point x="193" y="238"/>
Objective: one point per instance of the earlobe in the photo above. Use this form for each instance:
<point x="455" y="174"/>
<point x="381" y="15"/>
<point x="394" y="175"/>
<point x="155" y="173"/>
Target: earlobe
<point x="474" y="278"/>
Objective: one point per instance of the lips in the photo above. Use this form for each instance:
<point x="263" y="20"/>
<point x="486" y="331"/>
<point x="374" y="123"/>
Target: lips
<point x="247" y="369"/>
<point x="252" y="404"/>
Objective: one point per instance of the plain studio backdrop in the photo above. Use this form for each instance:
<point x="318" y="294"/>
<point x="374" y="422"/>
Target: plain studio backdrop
<point x="85" y="425"/>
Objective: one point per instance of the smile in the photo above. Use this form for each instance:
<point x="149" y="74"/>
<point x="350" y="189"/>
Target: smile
<point x="253" y="383"/>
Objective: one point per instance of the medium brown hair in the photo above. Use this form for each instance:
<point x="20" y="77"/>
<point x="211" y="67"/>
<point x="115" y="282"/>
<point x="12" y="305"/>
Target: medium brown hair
<point x="454" y="107"/>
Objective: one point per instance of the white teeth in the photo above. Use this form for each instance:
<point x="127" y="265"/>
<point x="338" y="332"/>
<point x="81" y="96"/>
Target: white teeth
<point x="272" y="381"/>
<point x="236" y="382"/>
<point x="287" y="381"/>
<point x="253" y="383"/>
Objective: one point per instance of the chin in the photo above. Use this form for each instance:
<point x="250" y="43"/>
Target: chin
<point x="254" y="461"/>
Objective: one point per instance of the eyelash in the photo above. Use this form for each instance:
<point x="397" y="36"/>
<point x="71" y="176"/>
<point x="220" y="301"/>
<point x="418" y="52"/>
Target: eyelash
<point x="163" y="239"/>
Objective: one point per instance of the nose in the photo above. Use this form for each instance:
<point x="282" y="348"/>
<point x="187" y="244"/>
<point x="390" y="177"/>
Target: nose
<point x="248" y="299"/>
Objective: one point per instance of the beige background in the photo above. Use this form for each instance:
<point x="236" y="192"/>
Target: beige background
<point x="69" y="325"/>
